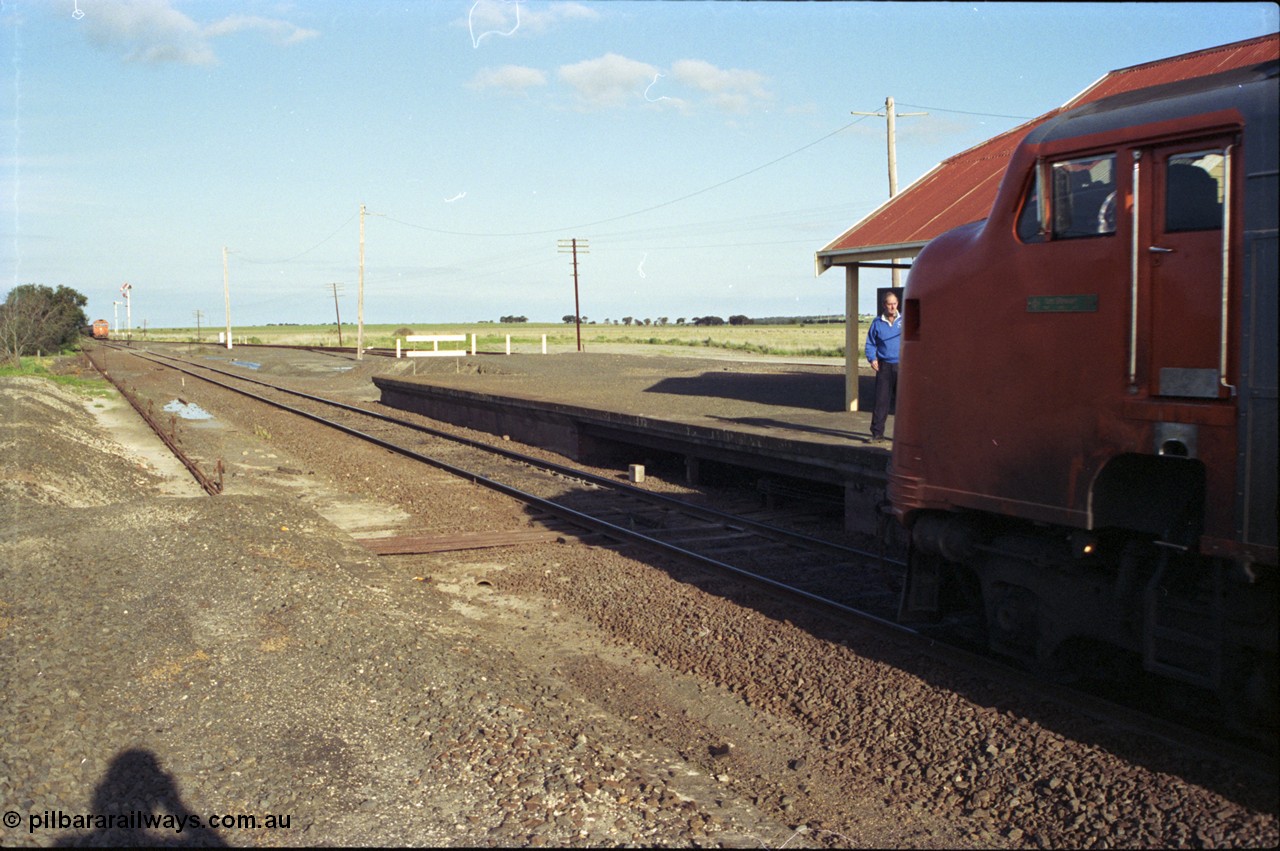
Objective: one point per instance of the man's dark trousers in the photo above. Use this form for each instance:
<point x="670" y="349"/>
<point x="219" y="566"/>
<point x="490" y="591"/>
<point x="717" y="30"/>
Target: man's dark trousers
<point x="886" y="386"/>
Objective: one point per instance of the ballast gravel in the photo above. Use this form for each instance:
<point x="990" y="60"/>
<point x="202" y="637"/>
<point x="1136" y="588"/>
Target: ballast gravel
<point x="170" y="656"/>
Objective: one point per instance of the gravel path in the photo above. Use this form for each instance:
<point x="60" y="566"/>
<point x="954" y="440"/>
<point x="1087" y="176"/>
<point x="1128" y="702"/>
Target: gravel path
<point x="180" y="655"/>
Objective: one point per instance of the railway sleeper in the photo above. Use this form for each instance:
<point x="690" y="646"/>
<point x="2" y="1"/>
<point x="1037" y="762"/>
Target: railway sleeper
<point x="697" y="536"/>
<point x="753" y="547"/>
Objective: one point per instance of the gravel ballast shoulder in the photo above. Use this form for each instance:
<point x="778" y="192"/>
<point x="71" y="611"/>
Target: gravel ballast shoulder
<point x="243" y="655"/>
<point x="237" y="655"/>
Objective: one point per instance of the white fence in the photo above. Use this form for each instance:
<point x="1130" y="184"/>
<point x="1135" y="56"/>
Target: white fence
<point x="436" y="339"/>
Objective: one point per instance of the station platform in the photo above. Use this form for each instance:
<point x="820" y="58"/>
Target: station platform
<point x="783" y="421"/>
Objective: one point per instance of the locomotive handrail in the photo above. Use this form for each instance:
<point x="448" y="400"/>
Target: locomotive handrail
<point x="1133" y="279"/>
<point x="1226" y="269"/>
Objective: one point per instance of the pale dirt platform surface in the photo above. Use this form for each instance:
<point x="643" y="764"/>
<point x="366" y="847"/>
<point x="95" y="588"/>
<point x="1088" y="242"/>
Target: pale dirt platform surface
<point x="791" y="397"/>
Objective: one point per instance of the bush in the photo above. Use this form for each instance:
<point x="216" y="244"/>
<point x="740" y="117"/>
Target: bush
<point x="36" y="319"/>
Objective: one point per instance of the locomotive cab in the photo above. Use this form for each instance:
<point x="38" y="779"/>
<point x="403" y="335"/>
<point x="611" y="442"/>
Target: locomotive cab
<point x="1085" y="449"/>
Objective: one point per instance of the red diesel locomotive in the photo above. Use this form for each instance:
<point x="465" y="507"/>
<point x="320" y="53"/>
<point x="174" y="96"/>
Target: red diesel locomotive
<point x="1085" y="440"/>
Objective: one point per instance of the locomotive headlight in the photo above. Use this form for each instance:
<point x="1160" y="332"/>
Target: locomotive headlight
<point x="1083" y="544"/>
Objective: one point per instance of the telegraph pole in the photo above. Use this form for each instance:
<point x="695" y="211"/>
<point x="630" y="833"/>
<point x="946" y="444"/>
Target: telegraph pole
<point x="360" y="295"/>
<point x="566" y="246"/>
<point x="226" y="294"/>
<point x="198" y="314"/>
<point x="336" y="314"/>
<point x="890" y="115"/>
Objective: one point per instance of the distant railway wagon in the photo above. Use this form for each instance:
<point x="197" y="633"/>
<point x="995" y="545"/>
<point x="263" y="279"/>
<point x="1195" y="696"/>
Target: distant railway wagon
<point x="1085" y="443"/>
<point x="101" y="330"/>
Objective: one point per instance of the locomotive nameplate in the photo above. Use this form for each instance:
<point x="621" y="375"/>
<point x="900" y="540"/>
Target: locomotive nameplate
<point x="1062" y="303"/>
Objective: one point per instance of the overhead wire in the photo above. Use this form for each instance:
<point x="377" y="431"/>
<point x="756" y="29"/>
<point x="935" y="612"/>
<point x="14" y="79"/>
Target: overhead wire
<point x="753" y="222"/>
<point x="963" y="112"/>
<point x="650" y="209"/>
<point x="683" y="230"/>
<point x="300" y="254"/>
<point x="769" y="220"/>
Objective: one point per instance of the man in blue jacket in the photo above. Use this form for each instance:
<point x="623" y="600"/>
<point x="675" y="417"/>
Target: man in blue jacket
<point x="883" y="339"/>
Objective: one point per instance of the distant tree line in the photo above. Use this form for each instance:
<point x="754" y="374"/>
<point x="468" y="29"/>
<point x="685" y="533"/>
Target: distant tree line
<point x="832" y="319"/>
<point x="35" y="319"/>
<point x="569" y="319"/>
<point x="736" y="319"/>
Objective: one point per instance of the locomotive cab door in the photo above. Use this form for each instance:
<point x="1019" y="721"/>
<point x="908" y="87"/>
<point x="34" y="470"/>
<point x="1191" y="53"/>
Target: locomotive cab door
<point x="1182" y="249"/>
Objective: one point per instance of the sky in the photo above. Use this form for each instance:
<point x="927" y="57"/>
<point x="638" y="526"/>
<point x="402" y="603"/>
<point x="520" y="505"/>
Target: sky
<point x="700" y="152"/>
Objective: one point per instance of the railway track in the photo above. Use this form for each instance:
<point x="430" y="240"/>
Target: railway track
<point x="848" y="580"/>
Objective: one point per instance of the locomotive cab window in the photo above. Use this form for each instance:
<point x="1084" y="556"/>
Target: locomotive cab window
<point x="1082" y="200"/>
<point x="1031" y="219"/>
<point x="1193" y="191"/>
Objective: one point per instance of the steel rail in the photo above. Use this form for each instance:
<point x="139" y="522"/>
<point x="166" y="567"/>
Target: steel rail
<point x="574" y="516"/>
<point x="703" y="512"/>
<point x="211" y="486"/>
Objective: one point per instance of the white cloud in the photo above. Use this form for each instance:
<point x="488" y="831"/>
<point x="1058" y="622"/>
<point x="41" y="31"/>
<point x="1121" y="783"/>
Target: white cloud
<point x="512" y="17"/>
<point x="732" y="90"/>
<point x="543" y="18"/>
<point x="515" y="79"/>
<point x="610" y="80"/>
<point x="281" y="32"/>
<point x="148" y="31"/>
<point x="613" y="80"/>
<point x="153" y="32"/>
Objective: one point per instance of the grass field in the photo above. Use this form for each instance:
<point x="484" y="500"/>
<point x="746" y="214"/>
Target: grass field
<point x="815" y="341"/>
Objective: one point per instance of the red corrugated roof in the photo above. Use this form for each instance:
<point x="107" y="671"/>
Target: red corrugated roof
<point x="962" y="188"/>
<point x="1199" y="64"/>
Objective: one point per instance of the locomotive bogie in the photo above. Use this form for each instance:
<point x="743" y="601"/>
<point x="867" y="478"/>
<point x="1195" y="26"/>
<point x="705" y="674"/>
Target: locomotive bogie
<point x="1069" y="603"/>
